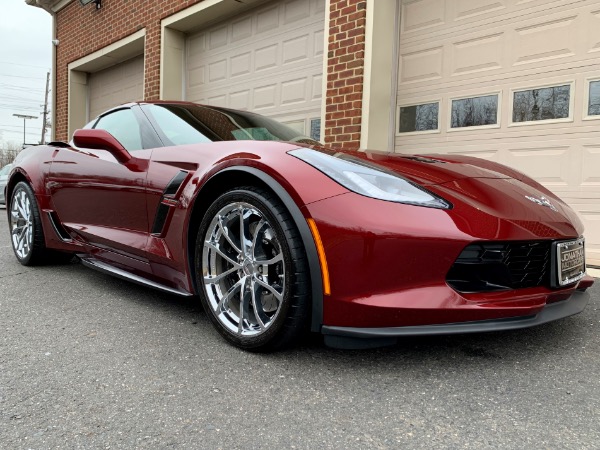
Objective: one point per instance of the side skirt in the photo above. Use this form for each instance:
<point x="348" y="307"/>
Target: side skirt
<point x="103" y="267"/>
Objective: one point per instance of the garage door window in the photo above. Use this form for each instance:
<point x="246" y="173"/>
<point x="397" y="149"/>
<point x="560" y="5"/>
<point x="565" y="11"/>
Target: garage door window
<point x="542" y="104"/>
<point x="594" y="99"/>
<point x="423" y="117"/>
<point x="474" y="111"/>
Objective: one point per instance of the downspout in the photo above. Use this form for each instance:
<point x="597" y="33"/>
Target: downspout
<point x="48" y="9"/>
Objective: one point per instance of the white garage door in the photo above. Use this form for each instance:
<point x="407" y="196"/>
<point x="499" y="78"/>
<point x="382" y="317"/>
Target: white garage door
<point x="514" y="82"/>
<point x="116" y="85"/>
<point x="268" y="60"/>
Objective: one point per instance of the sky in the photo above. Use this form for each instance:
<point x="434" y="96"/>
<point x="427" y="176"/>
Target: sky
<point x="25" y="58"/>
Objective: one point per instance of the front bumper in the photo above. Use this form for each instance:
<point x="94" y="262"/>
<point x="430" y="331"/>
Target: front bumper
<point x="356" y="338"/>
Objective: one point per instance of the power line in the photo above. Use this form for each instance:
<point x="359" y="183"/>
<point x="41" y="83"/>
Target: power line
<point x="20" y="127"/>
<point x="20" y="99"/>
<point x="20" y="92"/>
<point x="20" y="76"/>
<point x="25" y="65"/>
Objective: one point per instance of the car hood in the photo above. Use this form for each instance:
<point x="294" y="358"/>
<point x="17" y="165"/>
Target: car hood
<point x="432" y="169"/>
<point x="482" y="188"/>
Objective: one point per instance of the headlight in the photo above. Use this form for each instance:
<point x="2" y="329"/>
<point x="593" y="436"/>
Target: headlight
<point x="369" y="180"/>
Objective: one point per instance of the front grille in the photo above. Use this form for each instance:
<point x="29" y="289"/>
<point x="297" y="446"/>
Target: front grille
<point x="487" y="266"/>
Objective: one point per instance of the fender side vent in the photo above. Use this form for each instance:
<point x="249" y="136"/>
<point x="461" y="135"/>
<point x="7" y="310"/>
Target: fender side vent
<point x="167" y="201"/>
<point x="58" y="228"/>
<point x="161" y="217"/>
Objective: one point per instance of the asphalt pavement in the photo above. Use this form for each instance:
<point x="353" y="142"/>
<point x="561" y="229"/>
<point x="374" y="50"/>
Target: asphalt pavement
<point x="90" y="361"/>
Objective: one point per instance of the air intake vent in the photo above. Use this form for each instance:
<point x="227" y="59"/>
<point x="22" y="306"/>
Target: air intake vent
<point x="500" y="266"/>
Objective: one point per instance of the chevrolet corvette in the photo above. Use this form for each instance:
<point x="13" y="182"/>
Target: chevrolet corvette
<point x="278" y="235"/>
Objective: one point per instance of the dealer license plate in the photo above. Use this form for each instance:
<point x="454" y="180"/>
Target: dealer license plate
<point x="571" y="261"/>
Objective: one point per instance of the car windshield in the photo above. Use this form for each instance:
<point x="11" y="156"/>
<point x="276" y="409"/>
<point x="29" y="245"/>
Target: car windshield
<point x="181" y="124"/>
<point x="5" y="170"/>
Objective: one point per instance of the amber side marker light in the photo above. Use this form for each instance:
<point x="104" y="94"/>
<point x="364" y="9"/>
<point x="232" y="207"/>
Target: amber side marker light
<point x="321" y="252"/>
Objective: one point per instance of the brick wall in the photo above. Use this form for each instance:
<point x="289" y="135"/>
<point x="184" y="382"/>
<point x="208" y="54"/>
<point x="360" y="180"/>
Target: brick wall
<point x="84" y="30"/>
<point x="345" y="68"/>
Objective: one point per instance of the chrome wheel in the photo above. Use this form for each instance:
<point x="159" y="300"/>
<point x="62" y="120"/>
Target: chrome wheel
<point x="21" y="224"/>
<point x="243" y="269"/>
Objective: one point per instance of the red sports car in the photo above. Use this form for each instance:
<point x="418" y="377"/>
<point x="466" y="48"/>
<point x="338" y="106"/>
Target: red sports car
<point x="279" y="235"/>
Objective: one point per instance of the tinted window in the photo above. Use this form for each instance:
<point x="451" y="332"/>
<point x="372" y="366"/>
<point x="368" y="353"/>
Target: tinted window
<point x="419" y="117"/>
<point x="220" y="124"/>
<point x="123" y="125"/>
<point x="594" y="101"/>
<point x="475" y="111"/>
<point x="177" y="129"/>
<point x="541" y="104"/>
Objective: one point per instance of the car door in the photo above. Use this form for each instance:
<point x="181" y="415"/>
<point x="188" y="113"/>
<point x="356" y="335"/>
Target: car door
<point x="101" y="200"/>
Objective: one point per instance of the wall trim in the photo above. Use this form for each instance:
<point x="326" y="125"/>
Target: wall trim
<point x="378" y="93"/>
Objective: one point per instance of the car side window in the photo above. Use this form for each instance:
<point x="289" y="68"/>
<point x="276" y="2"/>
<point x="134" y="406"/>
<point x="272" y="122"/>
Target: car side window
<point x="176" y="124"/>
<point x="123" y="125"/>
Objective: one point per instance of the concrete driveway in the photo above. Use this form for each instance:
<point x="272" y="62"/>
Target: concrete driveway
<point x="89" y="361"/>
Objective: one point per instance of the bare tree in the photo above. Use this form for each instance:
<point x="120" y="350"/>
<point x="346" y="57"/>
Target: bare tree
<point x="8" y="153"/>
<point x="474" y="111"/>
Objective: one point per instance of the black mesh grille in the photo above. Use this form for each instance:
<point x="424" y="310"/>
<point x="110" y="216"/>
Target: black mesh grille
<point x="499" y="266"/>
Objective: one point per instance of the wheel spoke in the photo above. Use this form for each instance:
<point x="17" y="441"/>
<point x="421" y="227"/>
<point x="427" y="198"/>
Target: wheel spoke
<point x="242" y="234"/>
<point x="225" y="234"/>
<point x="274" y="260"/>
<point x="22" y="232"/>
<point x="21" y="211"/>
<point x="217" y="278"/>
<point x="255" y="237"/>
<point x="17" y="229"/>
<point x="259" y="312"/>
<point x="20" y="243"/>
<point x="243" y="306"/>
<point x="270" y="288"/>
<point x="27" y="209"/>
<point x="225" y="299"/>
<point x="212" y="246"/>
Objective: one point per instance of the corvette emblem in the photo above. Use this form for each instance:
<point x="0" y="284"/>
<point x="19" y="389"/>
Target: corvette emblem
<point x="542" y="201"/>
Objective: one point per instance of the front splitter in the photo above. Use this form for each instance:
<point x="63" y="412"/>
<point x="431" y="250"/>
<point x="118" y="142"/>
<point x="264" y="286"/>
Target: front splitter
<point x="360" y="338"/>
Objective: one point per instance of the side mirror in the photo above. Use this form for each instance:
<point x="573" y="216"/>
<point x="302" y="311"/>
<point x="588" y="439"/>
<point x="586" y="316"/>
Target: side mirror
<point x="101" y="140"/>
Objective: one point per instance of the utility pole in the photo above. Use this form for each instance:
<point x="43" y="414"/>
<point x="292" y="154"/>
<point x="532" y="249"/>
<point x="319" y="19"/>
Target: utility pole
<point x="24" y="117"/>
<point x="45" y="112"/>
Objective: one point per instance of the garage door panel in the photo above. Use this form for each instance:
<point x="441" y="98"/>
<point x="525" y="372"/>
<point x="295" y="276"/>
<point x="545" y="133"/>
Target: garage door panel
<point x="269" y="60"/>
<point x="116" y="85"/>
<point x="542" y="40"/>
<point x="295" y="11"/>
<point x="421" y="65"/>
<point x="470" y="9"/>
<point x="593" y="32"/>
<point x="590" y="169"/>
<point x="422" y="15"/>
<point x="477" y="54"/>
<point x="590" y="216"/>
<point x="548" y="165"/>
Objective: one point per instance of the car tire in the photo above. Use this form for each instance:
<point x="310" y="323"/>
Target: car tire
<point x="26" y="231"/>
<point x="254" y="290"/>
